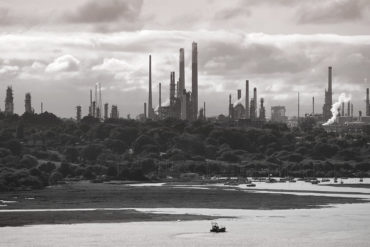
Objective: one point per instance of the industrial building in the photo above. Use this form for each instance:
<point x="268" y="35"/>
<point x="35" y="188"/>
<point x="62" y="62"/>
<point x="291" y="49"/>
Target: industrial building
<point x="78" y="113"/>
<point x="114" y="114"/>
<point x="27" y="104"/>
<point x="328" y="98"/>
<point x="245" y="112"/>
<point x="182" y="104"/>
<point x="96" y="105"/>
<point x="9" y="101"/>
<point x="278" y="114"/>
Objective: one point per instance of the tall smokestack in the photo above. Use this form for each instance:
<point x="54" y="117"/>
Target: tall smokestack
<point x="349" y="108"/>
<point x="342" y="109"/>
<point x="247" y="99"/>
<point x="181" y="72"/>
<point x="194" y="79"/>
<point x="160" y="101"/>
<point x="298" y="107"/>
<point x="145" y="110"/>
<point x="230" y="108"/>
<point x="90" y="109"/>
<point x="330" y="91"/>
<point x="106" y="111"/>
<point x="100" y="101"/>
<point x="367" y="102"/>
<point x="178" y="94"/>
<point x="172" y="88"/>
<point x="313" y="106"/>
<point x="204" y="110"/>
<point x="255" y="102"/>
<point x="150" y="107"/>
<point x="96" y="93"/>
<point x="239" y="93"/>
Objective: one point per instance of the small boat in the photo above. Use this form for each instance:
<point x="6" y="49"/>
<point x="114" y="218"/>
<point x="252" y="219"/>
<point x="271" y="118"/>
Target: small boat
<point x="216" y="228"/>
<point x="335" y="180"/>
<point x="361" y="180"/>
<point x="251" y="185"/>
<point x="315" y="181"/>
<point x="323" y="180"/>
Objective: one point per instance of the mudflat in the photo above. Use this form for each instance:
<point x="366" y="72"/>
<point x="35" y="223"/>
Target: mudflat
<point x="85" y="195"/>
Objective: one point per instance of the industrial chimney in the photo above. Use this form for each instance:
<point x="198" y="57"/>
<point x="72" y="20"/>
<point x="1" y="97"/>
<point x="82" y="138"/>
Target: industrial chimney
<point x="367" y="102"/>
<point x="342" y="109"/>
<point x="247" y="99"/>
<point x="150" y="107"/>
<point x="349" y="108"/>
<point x="160" y="102"/>
<point x="313" y="106"/>
<point x="239" y="94"/>
<point x="255" y="103"/>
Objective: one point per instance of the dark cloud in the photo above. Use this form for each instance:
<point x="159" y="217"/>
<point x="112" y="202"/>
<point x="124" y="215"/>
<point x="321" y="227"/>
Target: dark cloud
<point x="105" y="11"/>
<point x="331" y="12"/>
<point x="307" y="12"/>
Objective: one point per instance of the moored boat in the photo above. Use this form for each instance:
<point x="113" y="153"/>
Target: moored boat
<point x="216" y="228"/>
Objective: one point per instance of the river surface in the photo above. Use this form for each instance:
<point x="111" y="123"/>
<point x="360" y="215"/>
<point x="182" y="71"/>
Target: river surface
<point x="338" y="225"/>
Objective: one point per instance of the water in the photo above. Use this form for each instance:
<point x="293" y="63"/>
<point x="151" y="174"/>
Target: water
<point x="339" y="225"/>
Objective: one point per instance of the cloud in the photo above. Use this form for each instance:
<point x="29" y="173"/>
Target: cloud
<point x="64" y="63"/>
<point x="37" y="65"/>
<point x="231" y="13"/>
<point x="304" y="12"/>
<point x="107" y="15"/>
<point x="9" y="69"/>
<point x="112" y="65"/>
<point x="5" y="19"/>
<point x="331" y="11"/>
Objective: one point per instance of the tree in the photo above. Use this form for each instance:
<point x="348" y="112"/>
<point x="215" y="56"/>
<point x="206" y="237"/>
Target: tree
<point x="66" y="169"/>
<point x="20" y="131"/>
<point x="28" y="161"/>
<point x="72" y="154"/>
<point x="47" y="167"/>
<point x="55" y="177"/>
<point x="307" y="124"/>
<point x="15" y="146"/>
<point x="91" y="152"/>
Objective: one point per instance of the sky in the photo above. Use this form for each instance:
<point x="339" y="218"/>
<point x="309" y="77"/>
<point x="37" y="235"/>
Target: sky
<point x="58" y="50"/>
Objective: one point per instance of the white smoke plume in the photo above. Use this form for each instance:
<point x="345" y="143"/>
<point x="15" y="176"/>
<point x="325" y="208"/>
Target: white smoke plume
<point x="239" y="101"/>
<point x="335" y="108"/>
